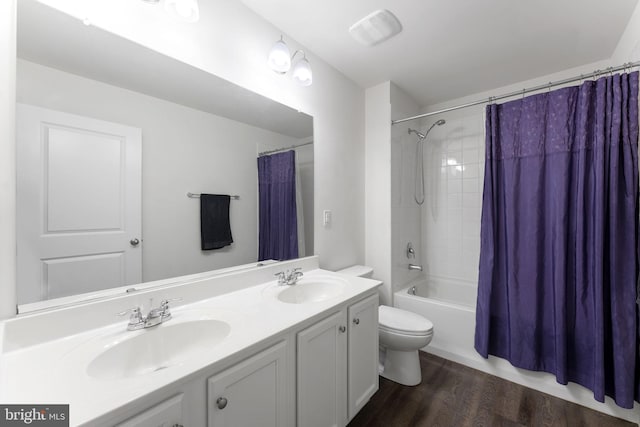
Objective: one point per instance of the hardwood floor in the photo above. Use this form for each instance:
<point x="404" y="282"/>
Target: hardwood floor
<point x="453" y="395"/>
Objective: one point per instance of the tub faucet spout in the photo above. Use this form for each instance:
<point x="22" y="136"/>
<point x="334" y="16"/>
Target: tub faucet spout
<point x="415" y="267"/>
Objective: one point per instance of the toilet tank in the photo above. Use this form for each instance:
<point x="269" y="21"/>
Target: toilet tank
<point x="357" y="270"/>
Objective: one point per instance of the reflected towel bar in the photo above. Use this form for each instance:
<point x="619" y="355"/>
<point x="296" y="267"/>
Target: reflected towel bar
<point x="196" y="196"/>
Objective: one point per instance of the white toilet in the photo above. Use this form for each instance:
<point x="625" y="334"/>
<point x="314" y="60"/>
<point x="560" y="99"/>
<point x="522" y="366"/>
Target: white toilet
<point x="401" y="334"/>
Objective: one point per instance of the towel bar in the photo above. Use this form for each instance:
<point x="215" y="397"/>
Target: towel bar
<point x="196" y="196"/>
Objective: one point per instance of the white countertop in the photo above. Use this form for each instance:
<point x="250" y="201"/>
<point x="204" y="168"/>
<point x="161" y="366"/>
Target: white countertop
<point x="56" y="371"/>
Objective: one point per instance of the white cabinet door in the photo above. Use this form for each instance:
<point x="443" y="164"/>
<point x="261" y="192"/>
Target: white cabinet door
<point x="78" y="204"/>
<point x="363" y="353"/>
<point x="164" y="414"/>
<point x="322" y="376"/>
<point x="251" y="393"/>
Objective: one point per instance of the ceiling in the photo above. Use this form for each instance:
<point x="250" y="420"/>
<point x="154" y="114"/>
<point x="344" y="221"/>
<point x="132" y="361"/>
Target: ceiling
<point x="54" y="39"/>
<point x="453" y="48"/>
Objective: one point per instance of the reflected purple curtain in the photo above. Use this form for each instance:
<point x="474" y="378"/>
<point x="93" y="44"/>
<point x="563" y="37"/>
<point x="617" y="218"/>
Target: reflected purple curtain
<point x="559" y="236"/>
<point x="278" y="224"/>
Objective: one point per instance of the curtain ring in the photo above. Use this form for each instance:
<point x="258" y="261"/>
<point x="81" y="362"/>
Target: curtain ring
<point x="523" y="92"/>
<point x="549" y="85"/>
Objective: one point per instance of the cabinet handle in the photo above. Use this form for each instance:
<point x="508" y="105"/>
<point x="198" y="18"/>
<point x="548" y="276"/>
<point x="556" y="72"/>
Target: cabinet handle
<point x="177" y="425"/>
<point x="342" y="329"/>
<point x="222" y="402"/>
<point x="356" y="320"/>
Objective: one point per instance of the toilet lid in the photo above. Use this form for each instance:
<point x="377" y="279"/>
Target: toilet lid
<point x="403" y="321"/>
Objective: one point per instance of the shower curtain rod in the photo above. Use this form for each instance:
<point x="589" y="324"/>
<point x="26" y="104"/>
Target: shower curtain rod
<point x="292" y="147"/>
<point x="549" y="85"/>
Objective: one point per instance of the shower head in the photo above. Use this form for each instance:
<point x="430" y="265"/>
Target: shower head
<point x="424" y="135"/>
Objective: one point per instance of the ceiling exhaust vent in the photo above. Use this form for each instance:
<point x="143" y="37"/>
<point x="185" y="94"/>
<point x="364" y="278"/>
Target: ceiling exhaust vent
<point x="375" y="28"/>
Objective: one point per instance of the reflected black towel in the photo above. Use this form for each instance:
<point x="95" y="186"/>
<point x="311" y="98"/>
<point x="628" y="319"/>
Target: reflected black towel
<point x="215" y="229"/>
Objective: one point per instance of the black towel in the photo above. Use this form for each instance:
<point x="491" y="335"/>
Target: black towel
<point x="215" y="230"/>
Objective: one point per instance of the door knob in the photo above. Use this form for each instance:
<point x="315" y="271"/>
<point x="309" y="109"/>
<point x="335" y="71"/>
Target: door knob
<point x="222" y="402"/>
<point x="134" y="242"/>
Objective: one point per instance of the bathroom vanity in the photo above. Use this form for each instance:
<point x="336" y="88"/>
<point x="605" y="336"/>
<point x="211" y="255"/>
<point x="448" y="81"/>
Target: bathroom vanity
<point x="239" y="349"/>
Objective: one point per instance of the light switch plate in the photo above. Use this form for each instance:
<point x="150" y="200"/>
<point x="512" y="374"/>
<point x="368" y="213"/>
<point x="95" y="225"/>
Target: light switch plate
<point x="326" y="218"/>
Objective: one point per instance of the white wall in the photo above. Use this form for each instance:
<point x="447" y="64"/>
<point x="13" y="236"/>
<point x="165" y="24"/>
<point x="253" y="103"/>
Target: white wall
<point x="406" y="223"/>
<point x="183" y="150"/>
<point x="628" y="48"/>
<point x="378" y="186"/>
<point x="7" y="158"/>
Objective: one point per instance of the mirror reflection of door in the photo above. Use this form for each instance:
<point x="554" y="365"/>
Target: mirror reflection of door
<point x="78" y="204"/>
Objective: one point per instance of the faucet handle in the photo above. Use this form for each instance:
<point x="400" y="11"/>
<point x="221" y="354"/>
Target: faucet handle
<point x="133" y="311"/>
<point x="164" y="308"/>
<point x="165" y="302"/>
<point x="136" y="315"/>
<point x="282" y="277"/>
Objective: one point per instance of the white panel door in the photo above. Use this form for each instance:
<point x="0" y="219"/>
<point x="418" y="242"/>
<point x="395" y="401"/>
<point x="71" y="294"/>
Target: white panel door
<point x="78" y="204"/>
<point x="251" y="393"/>
<point x="322" y="373"/>
<point x="165" y="414"/>
<point x="363" y="353"/>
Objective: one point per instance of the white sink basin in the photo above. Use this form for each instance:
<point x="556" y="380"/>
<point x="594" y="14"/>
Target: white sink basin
<point x="157" y="348"/>
<point x="310" y="290"/>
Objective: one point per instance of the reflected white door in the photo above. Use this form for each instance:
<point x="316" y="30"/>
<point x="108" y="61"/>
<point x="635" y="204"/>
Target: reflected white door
<point x="78" y="204"/>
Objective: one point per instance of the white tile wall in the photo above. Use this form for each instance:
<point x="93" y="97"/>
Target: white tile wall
<point x="454" y="173"/>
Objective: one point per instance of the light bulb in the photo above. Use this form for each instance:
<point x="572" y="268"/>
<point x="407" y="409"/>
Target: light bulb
<point x="185" y="9"/>
<point x="302" y="72"/>
<point x="279" y="57"/>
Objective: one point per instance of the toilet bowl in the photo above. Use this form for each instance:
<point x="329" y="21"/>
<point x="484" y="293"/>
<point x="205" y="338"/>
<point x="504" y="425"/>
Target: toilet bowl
<point x="401" y="333"/>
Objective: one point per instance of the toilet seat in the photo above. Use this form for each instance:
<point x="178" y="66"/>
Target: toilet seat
<point x="403" y="322"/>
<point x="382" y="329"/>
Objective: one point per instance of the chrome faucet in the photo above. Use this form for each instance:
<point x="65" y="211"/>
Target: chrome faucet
<point x="154" y="317"/>
<point x="415" y="267"/>
<point x="289" y="277"/>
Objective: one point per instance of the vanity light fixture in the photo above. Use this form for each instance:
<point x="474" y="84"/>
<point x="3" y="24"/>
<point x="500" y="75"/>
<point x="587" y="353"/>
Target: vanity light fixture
<point x="280" y="60"/>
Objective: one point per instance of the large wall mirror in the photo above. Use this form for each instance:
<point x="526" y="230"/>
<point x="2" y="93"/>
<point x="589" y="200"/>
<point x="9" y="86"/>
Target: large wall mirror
<point x="111" y="138"/>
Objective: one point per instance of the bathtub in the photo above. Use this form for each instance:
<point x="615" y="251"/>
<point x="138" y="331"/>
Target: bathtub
<point x="450" y="306"/>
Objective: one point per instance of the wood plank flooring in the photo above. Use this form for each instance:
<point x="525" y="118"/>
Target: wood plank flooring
<point x="453" y="395"/>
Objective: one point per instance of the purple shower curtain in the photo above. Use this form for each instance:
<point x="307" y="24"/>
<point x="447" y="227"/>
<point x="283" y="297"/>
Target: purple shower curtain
<point x="559" y="236"/>
<point x="278" y="224"/>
